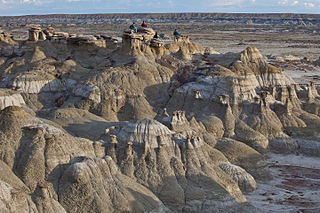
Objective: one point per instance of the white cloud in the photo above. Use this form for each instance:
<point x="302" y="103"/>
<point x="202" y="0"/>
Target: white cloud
<point x="283" y="2"/>
<point x="31" y="2"/>
<point x="225" y="3"/>
<point x="309" y="4"/>
<point x="171" y="3"/>
<point x="36" y="2"/>
<point x="288" y="2"/>
<point x="6" y="4"/>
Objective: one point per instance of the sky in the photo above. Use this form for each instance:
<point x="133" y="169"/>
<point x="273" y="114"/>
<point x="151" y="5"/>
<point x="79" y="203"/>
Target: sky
<point x="33" y="7"/>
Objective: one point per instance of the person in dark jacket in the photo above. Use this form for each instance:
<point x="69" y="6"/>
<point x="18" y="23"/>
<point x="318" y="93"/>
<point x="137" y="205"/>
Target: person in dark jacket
<point x="133" y="27"/>
<point x="176" y="33"/>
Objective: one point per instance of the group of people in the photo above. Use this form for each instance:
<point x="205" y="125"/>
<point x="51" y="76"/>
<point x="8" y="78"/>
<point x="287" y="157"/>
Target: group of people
<point x="134" y="28"/>
<point x="144" y="25"/>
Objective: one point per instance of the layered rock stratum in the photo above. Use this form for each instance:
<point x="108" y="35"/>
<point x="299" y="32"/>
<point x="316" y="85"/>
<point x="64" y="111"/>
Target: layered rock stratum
<point x="89" y="124"/>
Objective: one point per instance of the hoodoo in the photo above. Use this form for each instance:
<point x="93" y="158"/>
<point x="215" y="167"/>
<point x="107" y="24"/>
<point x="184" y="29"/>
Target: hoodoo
<point x="92" y="124"/>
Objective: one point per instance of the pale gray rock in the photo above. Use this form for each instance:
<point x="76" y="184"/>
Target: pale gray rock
<point x="283" y="145"/>
<point x="172" y="168"/>
<point x="244" y="156"/>
<point x="15" y="200"/>
<point x="151" y="132"/>
<point x="245" y="181"/>
<point x="10" y="98"/>
<point x="88" y="185"/>
<point x="308" y="147"/>
<point x="46" y="200"/>
<point x="251" y="137"/>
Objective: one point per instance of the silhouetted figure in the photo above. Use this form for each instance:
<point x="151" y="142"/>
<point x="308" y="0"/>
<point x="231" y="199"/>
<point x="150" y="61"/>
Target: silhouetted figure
<point x="156" y="35"/>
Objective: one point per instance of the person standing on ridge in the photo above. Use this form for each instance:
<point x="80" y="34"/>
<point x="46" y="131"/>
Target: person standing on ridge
<point x="156" y="35"/>
<point x="144" y="24"/>
<point x="133" y="27"/>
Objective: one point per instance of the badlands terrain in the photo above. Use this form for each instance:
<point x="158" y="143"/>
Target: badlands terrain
<point x="97" y="118"/>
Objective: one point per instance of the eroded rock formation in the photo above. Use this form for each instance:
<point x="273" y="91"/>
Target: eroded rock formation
<point x="91" y="125"/>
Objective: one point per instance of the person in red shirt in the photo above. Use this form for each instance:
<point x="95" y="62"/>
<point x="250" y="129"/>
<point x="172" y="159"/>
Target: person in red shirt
<point x="144" y="24"/>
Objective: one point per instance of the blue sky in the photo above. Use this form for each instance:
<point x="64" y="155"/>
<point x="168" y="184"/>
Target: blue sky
<point x="27" y="7"/>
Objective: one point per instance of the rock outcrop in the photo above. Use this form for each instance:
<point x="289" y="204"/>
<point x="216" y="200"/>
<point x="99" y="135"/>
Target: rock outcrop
<point x="88" y="185"/>
<point x="245" y="181"/>
<point x="244" y="156"/>
<point x="6" y="39"/>
<point x="170" y="166"/>
<point x="89" y="124"/>
<point x="10" y="98"/>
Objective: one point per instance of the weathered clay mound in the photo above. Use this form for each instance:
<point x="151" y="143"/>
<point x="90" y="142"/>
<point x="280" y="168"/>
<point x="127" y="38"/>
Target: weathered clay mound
<point x="175" y="165"/>
<point x="89" y="125"/>
<point x="245" y="181"/>
<point x="88" y="185"/>
<point x="244" y="156"/>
